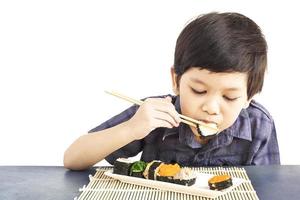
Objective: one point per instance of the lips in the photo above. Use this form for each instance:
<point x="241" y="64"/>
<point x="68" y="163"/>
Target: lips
<point x="208" y="122"/>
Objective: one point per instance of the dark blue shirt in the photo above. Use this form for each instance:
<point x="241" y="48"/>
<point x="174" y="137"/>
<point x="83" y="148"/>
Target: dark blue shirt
<point x="251" y="140"/>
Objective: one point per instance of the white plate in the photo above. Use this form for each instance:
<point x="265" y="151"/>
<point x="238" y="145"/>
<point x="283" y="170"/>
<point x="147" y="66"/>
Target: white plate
<point x="200" y="188"/>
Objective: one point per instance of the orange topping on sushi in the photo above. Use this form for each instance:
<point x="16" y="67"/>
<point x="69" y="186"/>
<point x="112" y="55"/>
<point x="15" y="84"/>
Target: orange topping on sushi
<point x="168" y="169"/>
<point x="218" y="179"/>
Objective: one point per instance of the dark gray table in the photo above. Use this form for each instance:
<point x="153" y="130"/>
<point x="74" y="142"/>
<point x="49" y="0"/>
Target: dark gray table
<point x="20" y="182"/>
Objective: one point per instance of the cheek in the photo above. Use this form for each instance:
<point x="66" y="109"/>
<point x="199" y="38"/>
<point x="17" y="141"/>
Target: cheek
<point x="188" y="105"/>
<point x="229" y="117"/>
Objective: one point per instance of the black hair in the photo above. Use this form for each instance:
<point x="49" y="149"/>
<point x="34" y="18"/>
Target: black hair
<point x="223" y="42"/>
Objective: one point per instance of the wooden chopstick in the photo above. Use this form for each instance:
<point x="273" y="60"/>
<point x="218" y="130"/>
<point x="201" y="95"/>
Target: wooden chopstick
<point x="185" y="119"/>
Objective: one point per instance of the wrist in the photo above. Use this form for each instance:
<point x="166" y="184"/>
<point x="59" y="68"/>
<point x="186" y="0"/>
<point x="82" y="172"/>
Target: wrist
<point x="128" y="133"/>
<point x="135" y="130"/>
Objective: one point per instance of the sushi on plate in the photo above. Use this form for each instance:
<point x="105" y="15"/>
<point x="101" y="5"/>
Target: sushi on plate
<point x="220" y="182"/>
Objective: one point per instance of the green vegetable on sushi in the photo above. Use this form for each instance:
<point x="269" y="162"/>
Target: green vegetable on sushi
<point x="137" y="169"/>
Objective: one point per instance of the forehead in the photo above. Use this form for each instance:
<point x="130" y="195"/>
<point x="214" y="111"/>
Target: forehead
<point x="228" y="80"/>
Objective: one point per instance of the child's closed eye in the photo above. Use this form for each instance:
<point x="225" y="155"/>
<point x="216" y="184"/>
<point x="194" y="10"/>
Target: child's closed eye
<point x="230" y="98"/>
<point x="198" y="92"/>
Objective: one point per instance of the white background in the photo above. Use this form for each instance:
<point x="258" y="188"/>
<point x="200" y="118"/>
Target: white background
<point x="58" y="57"/>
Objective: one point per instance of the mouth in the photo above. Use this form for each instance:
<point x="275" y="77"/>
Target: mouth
<point x="207" y="132"/>
<point x="209" y="122"/>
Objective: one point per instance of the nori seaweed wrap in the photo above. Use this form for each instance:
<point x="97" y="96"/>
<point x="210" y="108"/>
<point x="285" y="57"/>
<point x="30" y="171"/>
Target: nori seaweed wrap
<point x="137" y="169"/>
<point x="122" y="166"/>
<point x="185" y="176"/>
<point x="151" y="168"/>
<point x="220" y="182"/>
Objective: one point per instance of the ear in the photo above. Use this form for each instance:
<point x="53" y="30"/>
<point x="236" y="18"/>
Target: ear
<point x="174" y="77"/>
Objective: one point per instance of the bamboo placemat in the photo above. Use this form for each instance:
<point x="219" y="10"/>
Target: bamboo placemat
<point x="104" y="187"/>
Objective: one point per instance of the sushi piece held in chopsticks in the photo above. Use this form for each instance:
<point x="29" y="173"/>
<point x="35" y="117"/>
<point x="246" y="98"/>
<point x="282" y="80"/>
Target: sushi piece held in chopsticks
<point x="220" y="182"/>
<point x="122" y="166"/>
<point x="137" y="169"/>
<point x="208" y="131"/>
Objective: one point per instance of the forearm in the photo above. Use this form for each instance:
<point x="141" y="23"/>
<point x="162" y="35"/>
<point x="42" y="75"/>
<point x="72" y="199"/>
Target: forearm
<point x="91" y="148"/>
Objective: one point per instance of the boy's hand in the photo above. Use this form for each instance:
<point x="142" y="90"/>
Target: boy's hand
<point x="153" y="113"/>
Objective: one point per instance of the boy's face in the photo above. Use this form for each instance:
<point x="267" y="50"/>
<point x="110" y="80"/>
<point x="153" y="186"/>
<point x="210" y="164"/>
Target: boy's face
<point x="211" y="97"/>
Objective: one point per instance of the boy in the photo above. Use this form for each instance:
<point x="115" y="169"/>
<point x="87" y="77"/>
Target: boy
<point x="219" y="65"/>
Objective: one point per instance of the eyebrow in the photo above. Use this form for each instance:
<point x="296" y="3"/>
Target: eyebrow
<point x="227" y="89"/>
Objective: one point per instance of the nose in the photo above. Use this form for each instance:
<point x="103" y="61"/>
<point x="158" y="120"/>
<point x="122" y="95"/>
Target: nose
<point x="211" y="106"/>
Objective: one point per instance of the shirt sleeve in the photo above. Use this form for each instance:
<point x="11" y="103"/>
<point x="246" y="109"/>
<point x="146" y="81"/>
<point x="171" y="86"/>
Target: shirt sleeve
<point x="129" y="150"/>
<point x="267" y="150"/>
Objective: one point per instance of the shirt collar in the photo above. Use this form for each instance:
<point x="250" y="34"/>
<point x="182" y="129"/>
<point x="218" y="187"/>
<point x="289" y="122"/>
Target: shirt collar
<point x="241" y="128"/>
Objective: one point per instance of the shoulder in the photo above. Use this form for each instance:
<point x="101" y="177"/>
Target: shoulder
<point x="262" y="123"/>
<point x="258" y="111"/>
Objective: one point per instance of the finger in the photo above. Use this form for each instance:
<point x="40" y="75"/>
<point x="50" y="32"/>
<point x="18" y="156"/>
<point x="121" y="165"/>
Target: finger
<point x="165" y="117"/>
<point x="162" y="123"/>
<point x="170" y="109"/>
<point x="163" y="105"/>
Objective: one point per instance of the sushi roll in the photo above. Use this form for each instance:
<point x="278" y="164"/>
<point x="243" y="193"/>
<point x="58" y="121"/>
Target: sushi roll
<point x="167" y="172"/>
<point x="137" y="169"/>
<point x="186" y="176"/>
<point x="173" y="173"/>
<point x="220" y="182"/>
<point x="206" y="131"/>
<point x="151" y="169"/>
<point x="122" y="166"/>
